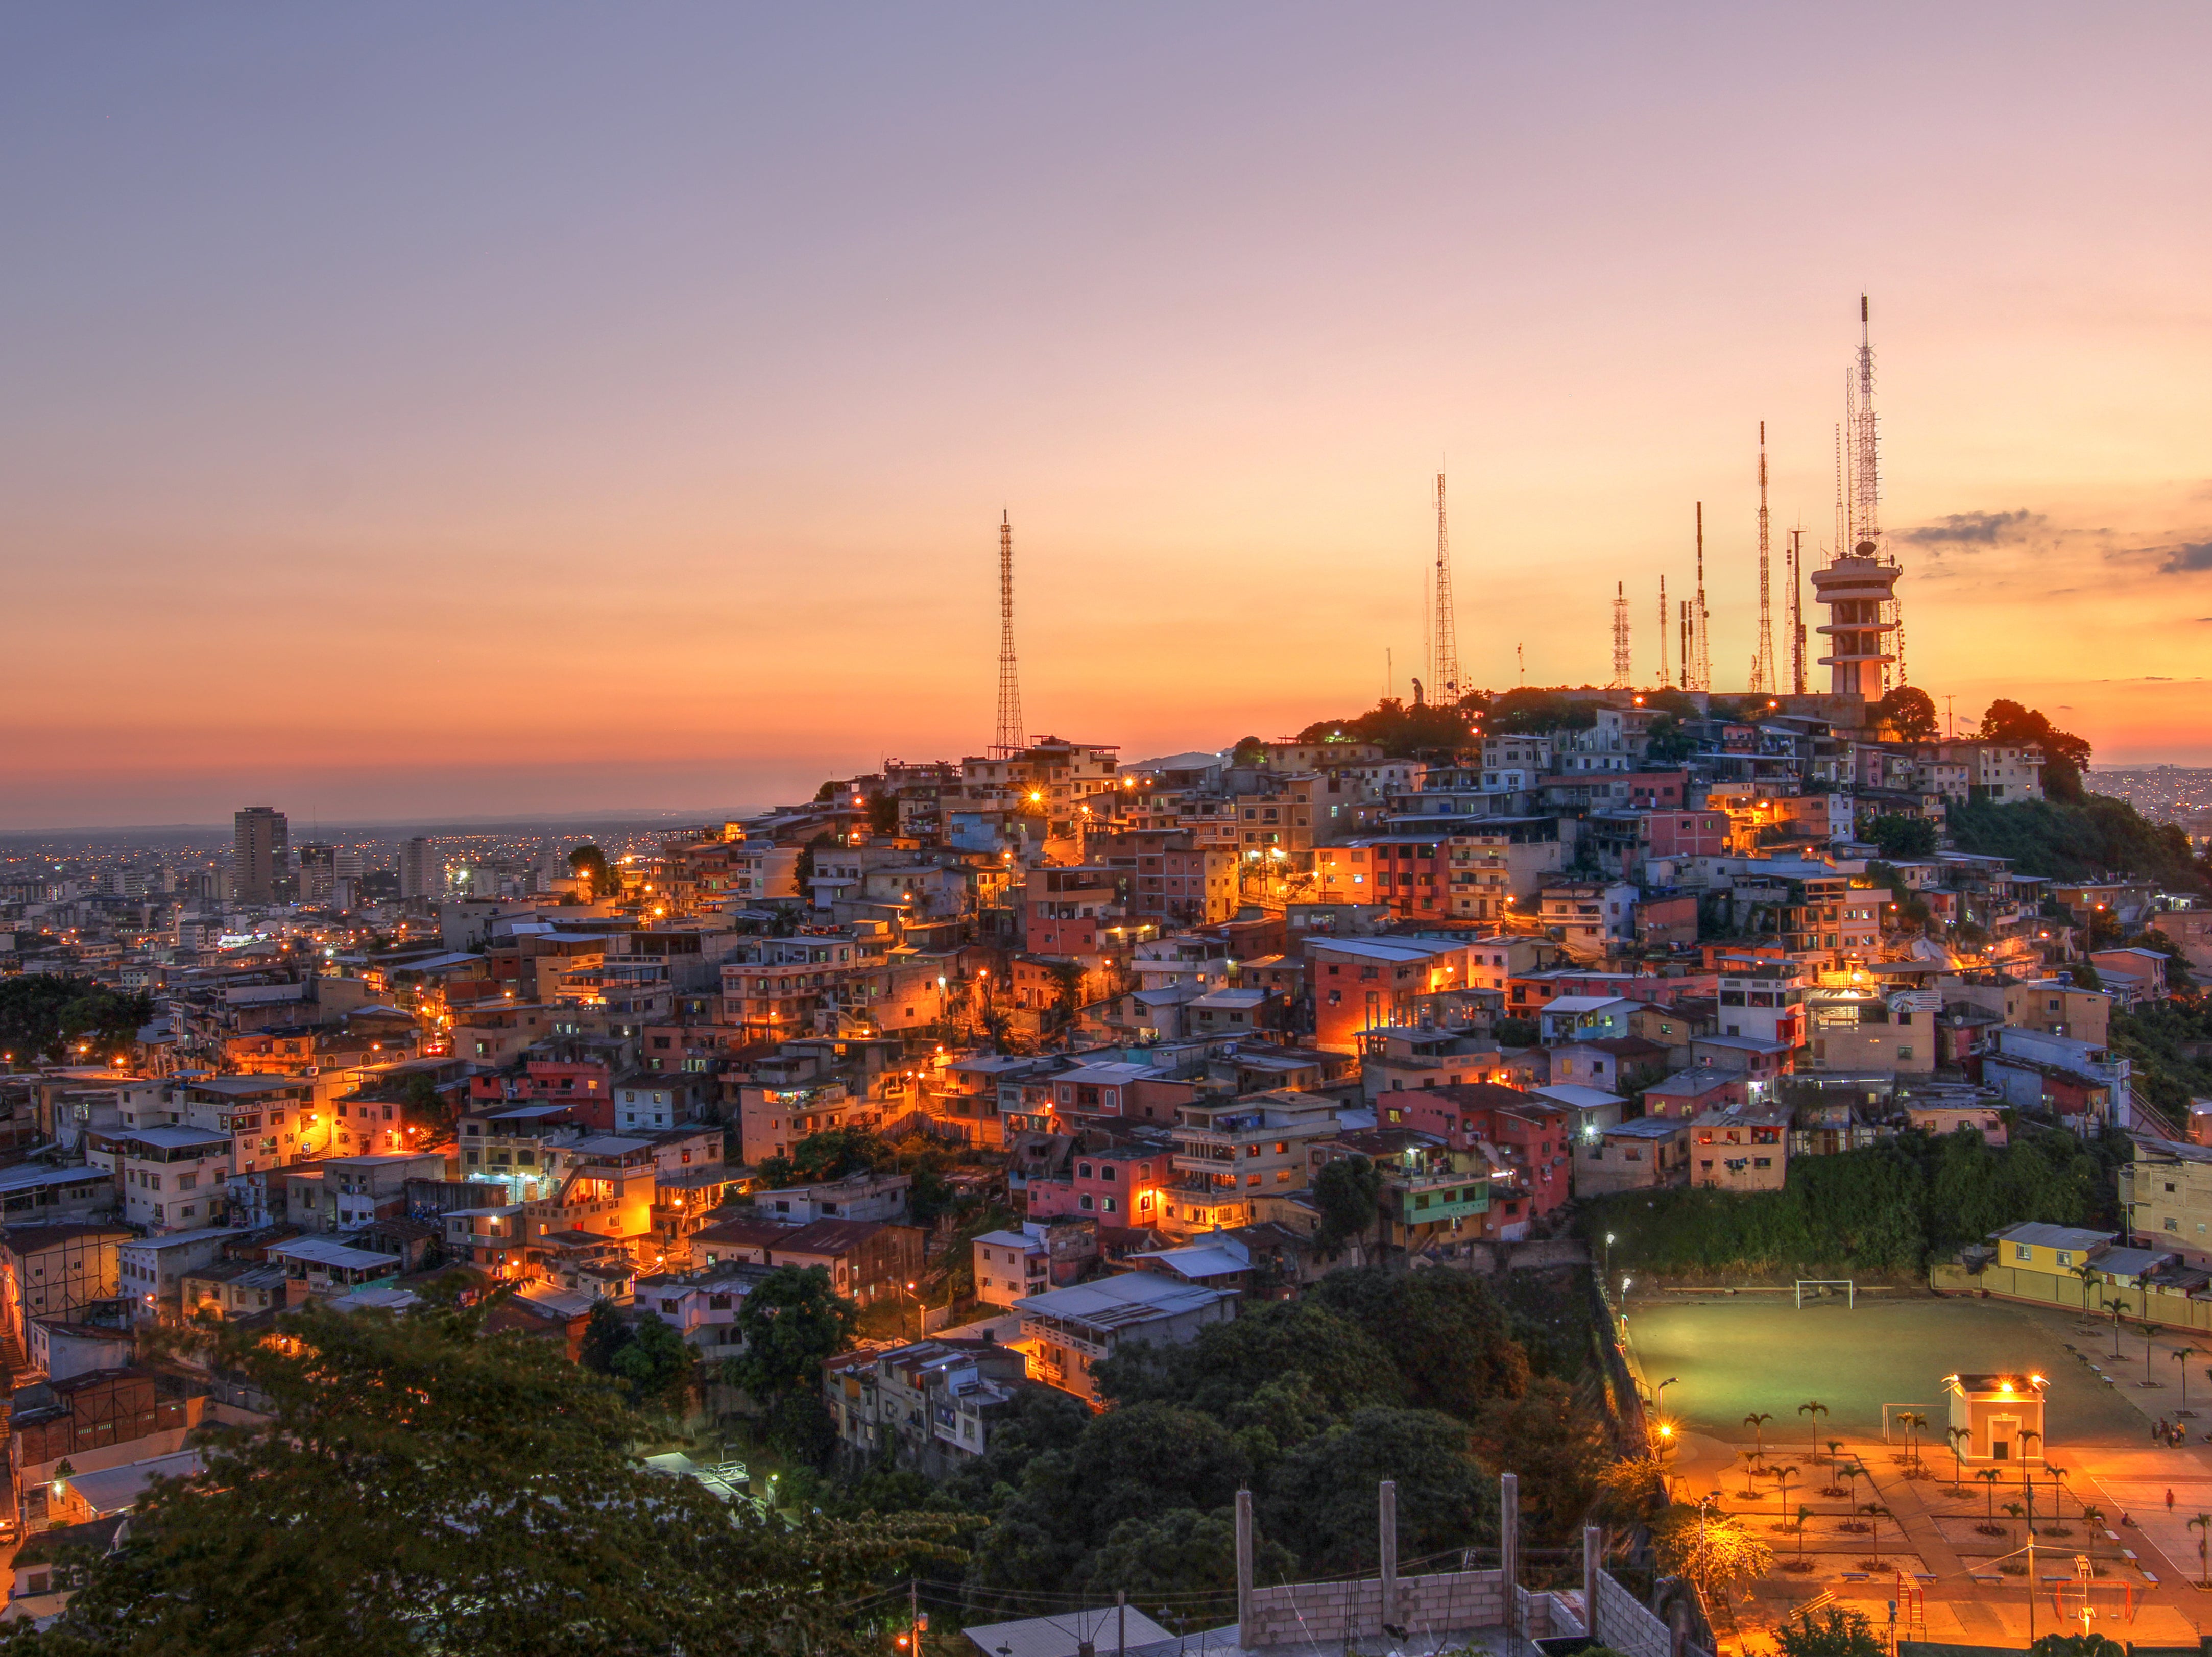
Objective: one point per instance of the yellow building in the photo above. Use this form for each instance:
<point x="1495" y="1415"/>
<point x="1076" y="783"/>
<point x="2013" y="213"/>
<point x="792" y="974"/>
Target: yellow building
<point x="2001" y="1414"/>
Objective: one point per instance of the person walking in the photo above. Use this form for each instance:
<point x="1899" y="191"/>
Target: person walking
<point x="2169" y="1501"/>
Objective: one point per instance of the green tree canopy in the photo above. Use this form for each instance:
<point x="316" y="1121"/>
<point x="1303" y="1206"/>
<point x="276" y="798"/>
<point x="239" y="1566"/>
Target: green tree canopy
<point x="1347" y="1192"/>
<point x="1444" y="1331"/>
<point x="52" y="1015"/>
<point x="423" y="1487"/>
<point x="2066" y="755"/>
<point x="1899" y="836"/>
<point x="1835" y="1632"/>
<point x="791" y="1321"/>
<point x="1184" y="1553"/>
<point x="1323" y="1502"/>
<point x="1909" y="711"/>
<point x="588" y="863"/>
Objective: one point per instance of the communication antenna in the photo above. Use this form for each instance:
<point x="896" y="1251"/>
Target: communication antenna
<point x="1664" y="682"/>
<point x="1797" y="610"/>
<point x="1762" y="661"/>
<point x="1008" y="742"/>
<point x="1698" y="673"/>
<point x="1445" y="666"/>
<point x="1623" y="669"/>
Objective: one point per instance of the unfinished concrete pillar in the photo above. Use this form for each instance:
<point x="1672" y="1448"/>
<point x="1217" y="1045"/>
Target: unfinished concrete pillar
<point x="1386" y="1518"/>
<point x="1245" y="1566"/>
<point x="1593" y="1562"/>
<point x="1509" y="1551"/>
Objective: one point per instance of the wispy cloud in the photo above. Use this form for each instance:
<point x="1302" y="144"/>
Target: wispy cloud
<point x="1974" y="528"/>
<point x="2188" y="558"/>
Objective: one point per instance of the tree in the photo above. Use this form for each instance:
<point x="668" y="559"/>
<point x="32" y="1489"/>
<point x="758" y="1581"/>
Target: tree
<point x="1667" y="742"/>
<point x="1322" y="1500"/>
<point x="1224" y="1371"/>
<point x="1347" y="1192"/>
<point x="1756" y="1421"/>
<point x="1909" y="711"/>
<point x="1444" y="1330"/>
<point x="1184" y="1553"/>
<point x="883" y="814"/>
<point x="1814" y="1410"/>
<point x="1250" y="751"/>
<point x="655" y="1365"/>
<point x="2177" y="976"/>
<point x="1713" y="1549"/>
<point x="1899" y="837"/>
<point x="606" y="1331"/>
<point x="1835" y="1632"/>
<point x="2076" y="1645"/>
<point x="1515" y="1032"/>
<point x="589" y="864"/>
<point x="56" y="1017"/>
<point x="2066" y="755"/>
<point x="1553" y="1441"/>
<point x="423" y="1487"/>
<point x="829" y="1154"/>
<point x="791" y="1321"/>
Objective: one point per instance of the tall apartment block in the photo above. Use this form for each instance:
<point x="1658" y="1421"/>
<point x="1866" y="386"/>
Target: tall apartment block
<point x="260" y="853"/>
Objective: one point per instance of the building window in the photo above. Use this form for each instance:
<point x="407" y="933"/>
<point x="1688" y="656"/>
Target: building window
<point x="2022" y="1252"/>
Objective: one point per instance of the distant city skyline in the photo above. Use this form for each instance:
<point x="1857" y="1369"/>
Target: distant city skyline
<point x="422" y="414"/>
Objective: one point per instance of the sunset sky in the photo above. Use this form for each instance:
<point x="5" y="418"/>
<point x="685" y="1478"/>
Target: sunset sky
<point x="423" y="409"/>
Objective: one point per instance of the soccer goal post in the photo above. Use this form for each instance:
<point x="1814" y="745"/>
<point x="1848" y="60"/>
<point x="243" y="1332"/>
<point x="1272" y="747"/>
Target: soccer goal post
<point x="1849" y="1287"/>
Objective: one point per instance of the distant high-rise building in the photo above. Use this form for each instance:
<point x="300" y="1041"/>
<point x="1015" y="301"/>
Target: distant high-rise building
<point x="421" y="874"/>
<point x="347" y="863"/>
<point x="260" y="854"/>
<point x="318" y="872"/>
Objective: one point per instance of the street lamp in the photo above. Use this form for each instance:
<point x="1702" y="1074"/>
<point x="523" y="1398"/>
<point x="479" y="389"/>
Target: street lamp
<point x="1608" y="1255"/>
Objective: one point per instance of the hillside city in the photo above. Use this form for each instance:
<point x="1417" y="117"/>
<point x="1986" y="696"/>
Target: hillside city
<point x="1274" y="1102"/>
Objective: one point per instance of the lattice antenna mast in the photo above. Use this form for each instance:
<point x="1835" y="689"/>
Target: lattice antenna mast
<point x="1446" y="664"/>
<point x="1797" y="611"/>
<point x="1842" y="543"/>
<point x="1762" y="662"/>
<point x="1866" y="466"/>
<point x="1009" y="741"/>
<point x="1699" y="672"/>
<point x="1623" y="668"/>
<point x="1664" y="682"/>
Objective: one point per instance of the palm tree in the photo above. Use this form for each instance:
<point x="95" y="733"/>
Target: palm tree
<point x="2116" y="1307"/>
<point x="2203" y="1525"/>
<point x="2181" y="1356"/>
<point x="2058" y="1506"/>
<point x="1757" y="1422"/>
<point x="2087" y="1274"/>
<point x="2150" y="1351"/>
<point x="1815" y="1408"/>
<point x="1958" y="1458"/>
<point x="1804" y="1513"/>
<point x="1989" y="1476"/>
<point x="1781" y="1476"/>
<point x="1876" y="1512"/>
<point x="1912" y="1422"/>
<point x="2013" y="1510"/>
<point x="1750" y="1472"/>
<point x="1854" y="1472"/>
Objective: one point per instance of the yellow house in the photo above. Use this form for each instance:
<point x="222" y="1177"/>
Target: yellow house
<point x="2032" y="1246"/>
<point x="2002" y="1414"/>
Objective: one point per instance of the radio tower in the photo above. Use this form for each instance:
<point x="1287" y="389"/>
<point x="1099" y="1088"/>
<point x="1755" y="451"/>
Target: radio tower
<point x="1664" y="682"/>
<point x="1762" y="662"/>
<point x="1698" y="665"/>
<point x="1623" y="669"/>
<point x="1445" y="668"/>
<point x="1866" y="469"/>
<point x="1009" y="741"/>
<point x="1797" y="611"/>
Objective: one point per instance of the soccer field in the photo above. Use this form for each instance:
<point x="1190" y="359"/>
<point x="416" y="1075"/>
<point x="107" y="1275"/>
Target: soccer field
<point x="1732" y="1354"/>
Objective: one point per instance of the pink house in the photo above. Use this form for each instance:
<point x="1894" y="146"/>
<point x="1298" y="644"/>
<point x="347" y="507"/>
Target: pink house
<point x="1119" y="1188"/>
